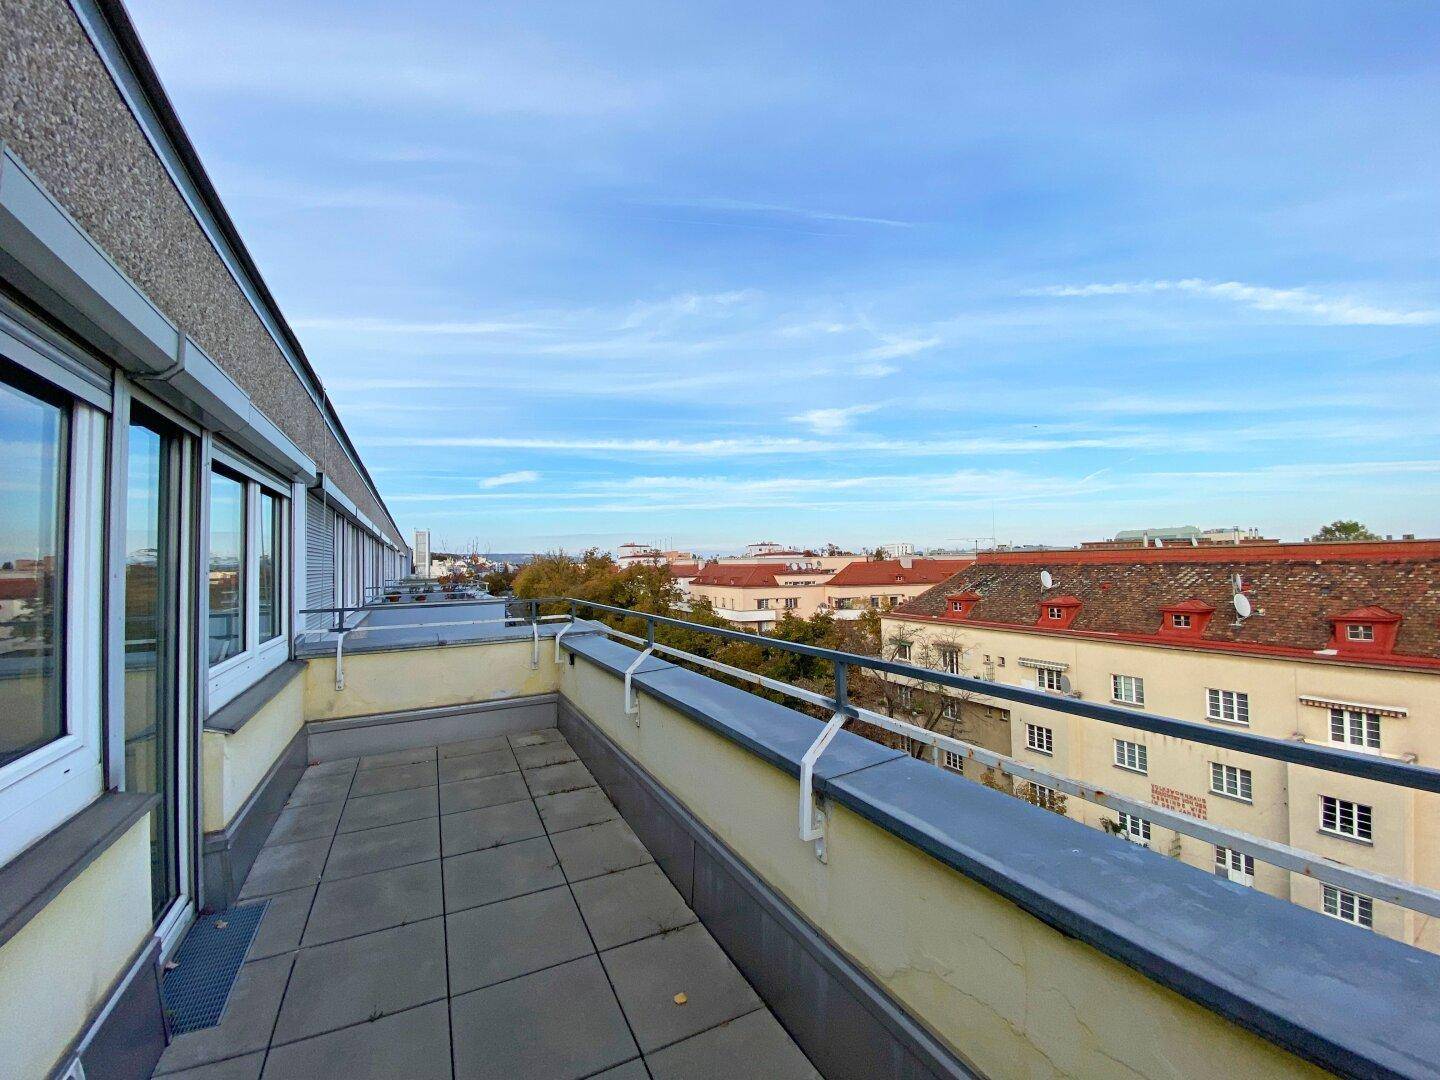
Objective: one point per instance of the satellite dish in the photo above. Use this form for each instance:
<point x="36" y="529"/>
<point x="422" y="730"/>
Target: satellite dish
<point x="1045" y="579"/>
<point x="1064" y="683"/>
<point x="1242" y="605"/>
<point x="1159" y="542"/>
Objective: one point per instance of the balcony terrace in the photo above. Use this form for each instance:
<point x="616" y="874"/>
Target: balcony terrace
<point x="520" y="836"/>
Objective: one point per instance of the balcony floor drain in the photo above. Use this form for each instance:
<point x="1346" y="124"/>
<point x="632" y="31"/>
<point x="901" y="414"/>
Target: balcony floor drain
<point x="197" y="990"/>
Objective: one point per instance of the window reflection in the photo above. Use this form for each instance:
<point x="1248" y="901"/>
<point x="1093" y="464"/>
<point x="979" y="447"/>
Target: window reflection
<point x="227" y="564"/>
<point x="32" y="492"/>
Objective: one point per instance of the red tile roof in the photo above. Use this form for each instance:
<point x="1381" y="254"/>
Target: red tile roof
<point x="738" y="575"/>
<point x="892" y="572"/>
<point x="1295" y="591"/>
<point x="684" y="569"/>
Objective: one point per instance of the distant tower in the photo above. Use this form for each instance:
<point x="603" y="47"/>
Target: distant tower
<point x="422" y="552"/>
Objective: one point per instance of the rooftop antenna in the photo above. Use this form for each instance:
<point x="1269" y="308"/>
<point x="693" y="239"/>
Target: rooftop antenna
<point x="1045" y="579"/>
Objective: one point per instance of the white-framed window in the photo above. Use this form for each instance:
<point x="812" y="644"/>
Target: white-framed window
<point x="791" y="603"/>
<point x="950" y="710"/>
<point x="1228" y="706"/>
<point x="1055" y="612"/>
<point x="1345" y="818"/>
<point x="1129" y="689"/>
<point x="52" y="549"/>
<point x="248" y="573"/>
<point x="1048" y="679"/>
<point x="1131" y="755"/>
<point x="1044" y="796"/>
<point x="1180" y="620"/>
<point x="1231" y="780"/>
<point x="1357" y="631"/>
<point x="950" y="661"/>
<point x="1347" y="906"/>
<point x="1355" y="727"/>
<point x="875" y="602"/>
<point x="1040" y="739"/>
<point x="954" y="761"/>
<point x="762" y="605"/>
<point x="1134" y="828"/>
<point x="1235" y="865"/>
<point x="902" y="650"/>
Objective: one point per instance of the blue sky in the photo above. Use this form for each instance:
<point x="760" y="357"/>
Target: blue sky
<point x="707" y="274"/>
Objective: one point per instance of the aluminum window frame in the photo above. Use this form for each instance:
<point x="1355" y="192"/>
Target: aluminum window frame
<point x="47" y="786"/>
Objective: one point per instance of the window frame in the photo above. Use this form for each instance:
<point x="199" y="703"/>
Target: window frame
<point x="1048" y="679"/>
<point x="1354" y="834"/>
<point x="1244" y="782"/>
<point x="1361" y="632"/>
<point x="1040" y="739"/>
<point x="1362" y="906"/>
<point x="1134" y="828"/>
<point x="1353" y="721"/>
<point x="1180" y="620"/>
<point x="233" y="675"/>
<point x="1135" y="683"/>
<point x="1132" y="756"/>
<point x="1225" y="867"/>
<point x="950" y="660"/>
<point x="1215" y="706"/>
<point x="51" y="783"/>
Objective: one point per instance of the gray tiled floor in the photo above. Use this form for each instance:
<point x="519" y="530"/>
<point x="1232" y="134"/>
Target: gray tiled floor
<point x="477" y="911"/>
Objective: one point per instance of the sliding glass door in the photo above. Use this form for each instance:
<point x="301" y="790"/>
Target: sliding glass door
<point x="156" y="747"/>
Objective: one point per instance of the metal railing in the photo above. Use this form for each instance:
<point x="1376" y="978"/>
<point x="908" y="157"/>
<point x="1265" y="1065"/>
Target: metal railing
<point x="811" y="818"/>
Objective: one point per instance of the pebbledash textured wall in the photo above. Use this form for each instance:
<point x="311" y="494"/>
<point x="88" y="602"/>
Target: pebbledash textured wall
<point x="63" y="115"/>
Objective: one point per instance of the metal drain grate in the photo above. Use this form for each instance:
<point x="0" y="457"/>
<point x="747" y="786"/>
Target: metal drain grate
<point x="197" y="990"/>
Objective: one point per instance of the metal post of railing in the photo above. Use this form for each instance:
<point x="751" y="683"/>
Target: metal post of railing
<point x="632" y="700"/>
<point x="812" y="818"/>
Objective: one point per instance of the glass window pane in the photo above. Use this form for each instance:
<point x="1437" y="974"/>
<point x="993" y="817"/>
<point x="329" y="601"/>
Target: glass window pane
<point x="227" y="567"/>
<point x="32" y="527"/>
<point x="150" y="569"/>
<point x="270" y="603"/>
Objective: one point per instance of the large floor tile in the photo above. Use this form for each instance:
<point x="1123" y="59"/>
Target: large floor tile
<point x="482" y="791"/>
<point x="631" y="1070"/>
<point x="575" y="809"/>
<point x="383" y="848"/>
<point x="282" y="924"/>
<point x="599" y="849"/>
<point x="248" y="1020"/>
<point x="647" y="975"/>
<point x="551" y="753"/>
<point x="244" y="1067"/>
<point x="482" y="877"/>
<point x="471" y="766"/>
<point x="753" y="1045"/>
<point x="571" y="776"/>
<point x="398" y="757"/>
<point x="361" y="905"/>
<point x="393" y="778"/>
<point x="330" y="768"/>
<point x="319" y="789"/>
<point x="490" y="826"/>
<point x="630" y="905"/>
<point x="313" y="821"/>
<point x="514" y="937"/>
<point x="473" y="746"/>
<point x="362" y="979"/>
<point x="561" y="1024"/>
<point x="414" y="1045"/>
<point x="283" y="867"/>
<point x="390" y="808"/>
<point x="537" y="738"/>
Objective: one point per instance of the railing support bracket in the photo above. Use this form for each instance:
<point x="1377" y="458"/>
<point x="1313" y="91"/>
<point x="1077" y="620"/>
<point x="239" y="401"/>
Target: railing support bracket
<point x="812" y="820"/>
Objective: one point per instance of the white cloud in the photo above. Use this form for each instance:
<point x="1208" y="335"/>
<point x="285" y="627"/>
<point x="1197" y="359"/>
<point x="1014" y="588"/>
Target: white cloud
<point x="831" y="421"/>
<point x="524" y="476"/>
<point x="1341" y="311"/>
<point x="370" y="325"/>
<point x="894" y="348"/>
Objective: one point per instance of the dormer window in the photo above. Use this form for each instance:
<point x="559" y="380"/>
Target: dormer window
<point x="1058" y="612"/>
<point x="958" y="605"/>
<point x="1366" y="631"/>
<point x="1186" y="619"/>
